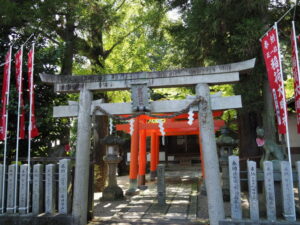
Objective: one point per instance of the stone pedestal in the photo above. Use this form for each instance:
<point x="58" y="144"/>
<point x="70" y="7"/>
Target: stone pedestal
<point x="153" y="175"/>
<point x="142" y="182"/>
<point x="133" y="187"/>
<point x="112" y="192"/>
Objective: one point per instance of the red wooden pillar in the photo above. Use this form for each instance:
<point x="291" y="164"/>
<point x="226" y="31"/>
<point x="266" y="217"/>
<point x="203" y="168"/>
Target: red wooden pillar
<point x="134" y="156"/>
<point x="153" y="156"/>
<point x="142" y="158"/>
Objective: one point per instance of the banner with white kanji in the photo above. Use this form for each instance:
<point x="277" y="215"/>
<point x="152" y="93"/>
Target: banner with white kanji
<point x="19" y="86"/>
<point x="270" y="47"/>
<point x="33" y="130"/>
<point x="4" y="96"/>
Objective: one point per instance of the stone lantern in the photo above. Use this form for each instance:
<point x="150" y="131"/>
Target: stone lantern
<point x="226" y="145"/>
<point x="112" y="191"/>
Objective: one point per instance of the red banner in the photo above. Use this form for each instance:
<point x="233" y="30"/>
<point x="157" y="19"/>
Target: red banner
<point x="270" y="46"/>
<point x="19" y="81"/>
<point x="5" y="90"/>
<point x="33" y="131"/>
<point x="295" y="66"/>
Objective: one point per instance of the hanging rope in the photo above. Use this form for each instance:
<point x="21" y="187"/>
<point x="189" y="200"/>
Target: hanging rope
<point x="197" y="100"/>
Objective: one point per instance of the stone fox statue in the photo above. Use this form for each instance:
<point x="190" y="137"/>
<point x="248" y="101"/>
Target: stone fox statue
<point x="272" y="151"/>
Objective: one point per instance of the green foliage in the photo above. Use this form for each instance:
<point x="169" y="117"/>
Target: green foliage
<point x="80" y="37"/>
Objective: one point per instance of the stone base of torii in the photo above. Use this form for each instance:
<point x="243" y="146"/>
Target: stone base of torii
<point x="198" y="77"/>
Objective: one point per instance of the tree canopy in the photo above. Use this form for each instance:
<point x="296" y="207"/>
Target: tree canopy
<point x="115" y="36"/>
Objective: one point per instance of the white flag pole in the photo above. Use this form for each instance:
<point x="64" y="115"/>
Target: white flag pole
<point x="18" y="131"/>
<point x="30" y="127"/>
<point x="5" y="136"/>
<point x="296" y="48"/>
<point x="284" y="100"/>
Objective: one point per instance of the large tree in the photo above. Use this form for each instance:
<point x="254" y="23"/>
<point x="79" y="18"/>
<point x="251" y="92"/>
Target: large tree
<point x="219" y="32"/>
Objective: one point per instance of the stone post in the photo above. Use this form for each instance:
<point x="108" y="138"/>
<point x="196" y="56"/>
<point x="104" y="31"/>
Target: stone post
<point x="298" y="176"/>
<point x="37" y="189"/>
<point x="64" y="182"/>
<point x="252" y="186"/>
<point x="23" y="189"/>
<point x="287" y="192"/>
<point x="50" y="189"/>
<point x="269" y="190"/>
<point x="1" y="186"/>
<point x="80" y="197"/>
<point x="211" y="161"/>
<point x="161" y="184"/>
<point x="10" y="188"/>
<point x="235" y="187"/>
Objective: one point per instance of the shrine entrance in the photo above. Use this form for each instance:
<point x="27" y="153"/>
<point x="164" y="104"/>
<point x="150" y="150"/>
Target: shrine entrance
<point x="173" y="140"/>
<point x="139" y="83"/>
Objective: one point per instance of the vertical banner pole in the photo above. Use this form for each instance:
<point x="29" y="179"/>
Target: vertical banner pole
<point x="18" y="129"/>
<point x="5" y="134"/>
<point x="284" y="100"/>
<point x="296" y="73"/>
<point x="30" y="73"/>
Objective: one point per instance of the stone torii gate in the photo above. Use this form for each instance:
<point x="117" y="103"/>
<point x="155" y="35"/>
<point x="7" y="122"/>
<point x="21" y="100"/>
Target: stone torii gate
<point x="139" y="83"/>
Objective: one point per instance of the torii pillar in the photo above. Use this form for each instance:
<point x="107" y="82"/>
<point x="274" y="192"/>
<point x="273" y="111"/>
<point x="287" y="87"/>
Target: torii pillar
<point x="82" y="157"/>
<point x="209" y="149"/>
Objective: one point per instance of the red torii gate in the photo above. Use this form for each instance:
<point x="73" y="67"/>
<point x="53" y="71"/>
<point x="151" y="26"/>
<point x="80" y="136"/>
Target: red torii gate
<point x="172" y="127"/>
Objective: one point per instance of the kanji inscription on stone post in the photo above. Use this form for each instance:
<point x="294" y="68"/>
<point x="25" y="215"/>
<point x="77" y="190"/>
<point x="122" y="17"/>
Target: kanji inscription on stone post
<point x="50" y="189"/>
<point x="37" y="189"/>
<point x="252" y="184"/>
<point x="235" y="188"/>
<point x="10" y="188"/>
<point x="23" y="189"/>
<point x="269" y="190"/>
<point x="63" y="186"/>
<point x="287" y="192"/>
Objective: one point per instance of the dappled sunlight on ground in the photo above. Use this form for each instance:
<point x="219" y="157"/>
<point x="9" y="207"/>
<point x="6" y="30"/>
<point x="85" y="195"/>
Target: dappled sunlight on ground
<point x="180" y="208"/>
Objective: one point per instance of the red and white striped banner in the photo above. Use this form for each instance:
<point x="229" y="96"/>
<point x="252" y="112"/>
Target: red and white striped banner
<point x="5" y="89"/>
<point x="295" y="67"/>
<point x="19" y="86"/>
<point x="33" y="131"/>
<point x="270" y="47"/>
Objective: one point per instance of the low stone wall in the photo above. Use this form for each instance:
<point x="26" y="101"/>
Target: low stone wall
<point x="50" y="191"/>
<point x="37" y="220"/>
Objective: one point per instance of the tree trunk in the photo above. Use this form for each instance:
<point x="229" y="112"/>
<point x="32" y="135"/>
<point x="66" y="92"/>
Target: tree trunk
<point x="247" y="134"/>
<point x="69" y="49"/>
<point x="268" y="113"/>
<point x="67" y="61"/>
<point x="100" y="131"/>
